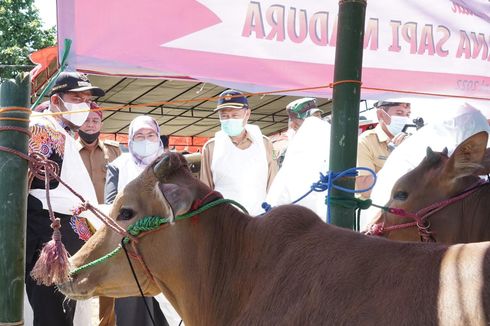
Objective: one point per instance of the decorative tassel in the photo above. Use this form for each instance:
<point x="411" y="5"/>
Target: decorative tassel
<point x="52" y="267"/>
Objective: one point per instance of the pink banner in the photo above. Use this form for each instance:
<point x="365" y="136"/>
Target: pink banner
<point x="282" y="45"/>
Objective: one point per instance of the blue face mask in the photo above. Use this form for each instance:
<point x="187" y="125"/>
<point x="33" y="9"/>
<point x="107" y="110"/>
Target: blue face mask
<point x="232" y="127"/>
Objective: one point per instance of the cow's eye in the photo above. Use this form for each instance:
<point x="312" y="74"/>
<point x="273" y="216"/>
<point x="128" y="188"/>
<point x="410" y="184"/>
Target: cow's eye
<point x="125" y="214"/>
<point x="401" y="195"/>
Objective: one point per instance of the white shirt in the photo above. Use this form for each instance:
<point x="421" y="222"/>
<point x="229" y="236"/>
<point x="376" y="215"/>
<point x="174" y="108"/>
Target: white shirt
<point x="307" y="155"/>
<point x="241" y="174"/>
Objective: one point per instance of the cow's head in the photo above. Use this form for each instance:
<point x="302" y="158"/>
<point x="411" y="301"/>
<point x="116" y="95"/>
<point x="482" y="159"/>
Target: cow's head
<point x="166" y="189"/>
<point x="436" y="178"/>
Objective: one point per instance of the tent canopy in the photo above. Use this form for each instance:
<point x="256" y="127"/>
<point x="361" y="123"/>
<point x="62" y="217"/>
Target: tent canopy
<point x="179" y="118"/>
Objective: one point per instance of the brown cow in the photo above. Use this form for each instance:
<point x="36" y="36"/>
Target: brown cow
<point x="438" y="178"/>
<point x="284" y="268"/>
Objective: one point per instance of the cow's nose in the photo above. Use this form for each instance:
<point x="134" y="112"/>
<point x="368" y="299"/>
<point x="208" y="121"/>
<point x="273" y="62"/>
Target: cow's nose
<point x="66" y="288"/>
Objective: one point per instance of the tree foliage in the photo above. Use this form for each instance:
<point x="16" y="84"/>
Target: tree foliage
<point x="21" y="33"/>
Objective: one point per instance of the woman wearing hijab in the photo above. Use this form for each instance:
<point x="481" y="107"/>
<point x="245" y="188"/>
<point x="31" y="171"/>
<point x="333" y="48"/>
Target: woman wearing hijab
<point x="144" y="147"/>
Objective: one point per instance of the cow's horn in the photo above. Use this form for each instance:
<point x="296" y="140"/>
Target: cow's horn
<point x="430" y="152"/>
<point x="432" y="156"/>
<point x="164" y="167"/>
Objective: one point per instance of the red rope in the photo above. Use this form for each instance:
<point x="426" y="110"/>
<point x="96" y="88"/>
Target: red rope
<point x="421" y="217"/>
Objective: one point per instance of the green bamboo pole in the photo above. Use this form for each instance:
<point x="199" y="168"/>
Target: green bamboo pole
<point x="346" y="98"/>
<point x="13" y="200"/>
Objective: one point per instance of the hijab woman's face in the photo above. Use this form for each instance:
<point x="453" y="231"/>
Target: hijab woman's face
<point x="146" y="134"/>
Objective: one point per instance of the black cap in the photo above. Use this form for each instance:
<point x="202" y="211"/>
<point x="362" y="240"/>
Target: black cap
<point x="75" y="82"/>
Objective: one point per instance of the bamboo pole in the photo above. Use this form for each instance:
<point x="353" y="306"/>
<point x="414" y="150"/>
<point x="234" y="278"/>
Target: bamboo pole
<point x="346" y="98"/>
<point x="13" y="200"/>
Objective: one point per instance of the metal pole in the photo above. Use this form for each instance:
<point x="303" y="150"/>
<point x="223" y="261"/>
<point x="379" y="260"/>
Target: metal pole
<point x="346" y="97"/>
<point x="13" y="200"/>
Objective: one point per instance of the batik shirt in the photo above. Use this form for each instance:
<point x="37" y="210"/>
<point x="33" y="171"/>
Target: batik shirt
<point x="49" y="142"/>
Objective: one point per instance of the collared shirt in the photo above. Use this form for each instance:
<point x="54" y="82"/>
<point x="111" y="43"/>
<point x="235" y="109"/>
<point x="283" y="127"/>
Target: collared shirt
<point x="372" y="149"/>
<point x="96" y="157"/>
<point x="206" y="175"/>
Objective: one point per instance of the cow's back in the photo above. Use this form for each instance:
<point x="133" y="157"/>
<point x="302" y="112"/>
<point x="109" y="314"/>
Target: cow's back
<point x="315" y="274"/>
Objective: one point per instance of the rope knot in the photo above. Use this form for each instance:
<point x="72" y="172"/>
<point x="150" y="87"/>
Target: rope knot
<point x="56" y="224"/>
<point x="56" y="236"/>
<point x="364" y="203"/>
<point x="82" y="207"/>
<point x="376" y="229"/>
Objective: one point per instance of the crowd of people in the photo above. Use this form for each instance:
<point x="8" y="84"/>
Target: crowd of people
<point x="239" y="162"/>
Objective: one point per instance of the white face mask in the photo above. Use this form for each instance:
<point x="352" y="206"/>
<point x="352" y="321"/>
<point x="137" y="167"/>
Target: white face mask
<point x="232" y="127"/>
<point x="144" y="148"/>
<point x="397" y="124"/>
<point x="76" y="118"/>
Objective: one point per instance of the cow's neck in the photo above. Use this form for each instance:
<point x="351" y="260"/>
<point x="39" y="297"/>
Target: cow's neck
<point x="199" y="250"/>
<point x="464" y="221"/>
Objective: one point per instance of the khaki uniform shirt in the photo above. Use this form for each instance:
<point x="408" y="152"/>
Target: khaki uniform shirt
<point x="280" y="145"/>
<point x="96" y="157"/>
<point x="372" y="150"/>
<point x="206" y="175"/>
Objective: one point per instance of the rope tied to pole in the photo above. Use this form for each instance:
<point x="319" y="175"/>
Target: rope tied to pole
<point x="326" y="182"/>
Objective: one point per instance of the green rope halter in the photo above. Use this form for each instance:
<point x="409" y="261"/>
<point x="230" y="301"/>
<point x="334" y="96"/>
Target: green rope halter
<point x="149" y="223"/>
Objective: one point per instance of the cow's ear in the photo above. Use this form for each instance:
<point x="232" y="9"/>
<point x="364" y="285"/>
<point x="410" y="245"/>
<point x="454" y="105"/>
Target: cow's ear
<point x="168" y="164"/>
<point x="178" y="197"/>
<point x="468" y="156"/>
<point x="485" y="163"/>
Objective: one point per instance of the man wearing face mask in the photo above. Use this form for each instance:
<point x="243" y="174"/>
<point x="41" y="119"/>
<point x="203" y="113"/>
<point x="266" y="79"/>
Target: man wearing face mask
<point x="375" y="145"/>
<point x="238" y="161"/>
<point x="52" y="138"/>
<point x="305" y="157"/>
<point x="96" y="154"/>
